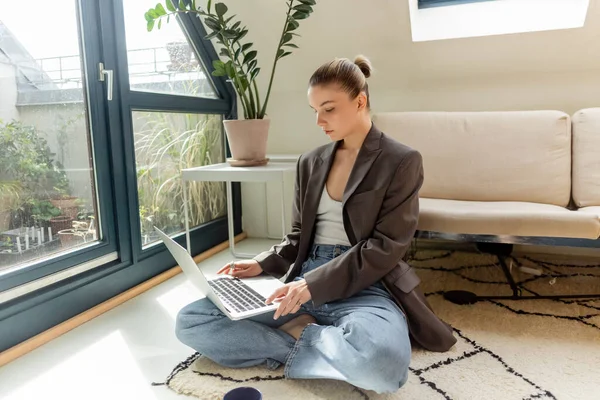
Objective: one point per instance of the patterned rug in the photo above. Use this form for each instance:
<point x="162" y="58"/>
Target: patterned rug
<point x="535" y="349"/>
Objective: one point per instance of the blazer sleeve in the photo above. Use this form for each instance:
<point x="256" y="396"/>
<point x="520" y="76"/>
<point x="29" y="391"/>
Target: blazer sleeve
<point x="370" y="260"/>
<point x="278" y="259"/>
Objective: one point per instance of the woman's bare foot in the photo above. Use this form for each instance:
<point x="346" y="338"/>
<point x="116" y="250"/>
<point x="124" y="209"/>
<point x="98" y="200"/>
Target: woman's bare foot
<point x="295" y="327"/>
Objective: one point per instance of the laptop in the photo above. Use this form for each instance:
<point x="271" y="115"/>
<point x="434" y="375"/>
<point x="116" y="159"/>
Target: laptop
<point x="236" y="298"/>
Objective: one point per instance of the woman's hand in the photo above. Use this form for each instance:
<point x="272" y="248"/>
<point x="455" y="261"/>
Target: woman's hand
<point x="242" y="269"/>
<point x="290" y="297"/>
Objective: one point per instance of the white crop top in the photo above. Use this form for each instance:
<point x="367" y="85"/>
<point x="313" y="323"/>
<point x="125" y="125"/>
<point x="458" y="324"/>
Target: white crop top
<point x="330" y="224"/>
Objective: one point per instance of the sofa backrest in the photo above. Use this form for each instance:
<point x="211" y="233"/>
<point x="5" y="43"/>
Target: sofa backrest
<point x="489" y="156"/>
<point x="586" y="157"/>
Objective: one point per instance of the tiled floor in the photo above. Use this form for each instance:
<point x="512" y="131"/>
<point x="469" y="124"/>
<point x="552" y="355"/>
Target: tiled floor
<point x="117" y="355"/>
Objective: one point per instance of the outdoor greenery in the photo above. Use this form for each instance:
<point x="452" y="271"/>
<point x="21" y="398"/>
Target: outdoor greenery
<point x="29" y="176"/>
<point x="241" y="62"/>
<point x="165" y="144"/>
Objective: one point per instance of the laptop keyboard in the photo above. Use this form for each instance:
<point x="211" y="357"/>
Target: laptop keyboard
<point x="236" y="295"/>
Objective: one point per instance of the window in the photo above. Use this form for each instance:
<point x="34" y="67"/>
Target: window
<point x="440" y="3"/>
<point x="88" y="166"/>
<point x="48" y="195"/>
<point x="164" y="144"/>
<point x="454" y="19"/>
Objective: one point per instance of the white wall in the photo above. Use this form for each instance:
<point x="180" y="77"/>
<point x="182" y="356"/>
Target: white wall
<point x="541" y="70"/>
<point x="8" y="93"/>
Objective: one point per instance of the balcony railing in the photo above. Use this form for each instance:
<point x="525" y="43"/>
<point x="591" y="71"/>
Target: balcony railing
<point x="176" y="62"/>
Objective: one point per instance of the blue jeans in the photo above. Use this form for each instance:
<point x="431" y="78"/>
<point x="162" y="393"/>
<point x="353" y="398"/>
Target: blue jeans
<point x="362" y="340"/>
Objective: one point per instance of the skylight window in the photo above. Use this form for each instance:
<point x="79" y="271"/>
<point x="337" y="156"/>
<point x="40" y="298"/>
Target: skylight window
<point x="452" y="19"/>
<point x="441" y="3"/>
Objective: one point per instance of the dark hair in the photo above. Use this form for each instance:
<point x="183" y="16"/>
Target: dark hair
<point x="351" y="76"/>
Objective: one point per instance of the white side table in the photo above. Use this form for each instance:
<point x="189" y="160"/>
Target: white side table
<point x="273" y="171"/>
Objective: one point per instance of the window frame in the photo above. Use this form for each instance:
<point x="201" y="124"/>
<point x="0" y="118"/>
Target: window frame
<point x="102" y="22"/>
<point x="423" y="4"/>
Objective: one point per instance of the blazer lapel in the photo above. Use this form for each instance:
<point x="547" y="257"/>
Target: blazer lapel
<point x="367" y="155"/>
<point x="316" y="183"/>
<point x="318" y="176"/>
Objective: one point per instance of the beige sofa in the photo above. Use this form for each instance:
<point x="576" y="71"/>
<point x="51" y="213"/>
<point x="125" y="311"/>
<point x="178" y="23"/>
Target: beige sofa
<point x="507" y="174"/>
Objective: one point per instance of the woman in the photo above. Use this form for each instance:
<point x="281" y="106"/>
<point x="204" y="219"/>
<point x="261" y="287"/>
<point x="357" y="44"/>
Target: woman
<point x="355" y="213"/>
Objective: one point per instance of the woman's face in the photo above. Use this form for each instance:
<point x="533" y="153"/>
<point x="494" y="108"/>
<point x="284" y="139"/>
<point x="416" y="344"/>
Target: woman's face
<point x="337" y="114"/>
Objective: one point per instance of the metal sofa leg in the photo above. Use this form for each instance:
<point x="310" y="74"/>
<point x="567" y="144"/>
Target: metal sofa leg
<point x="502" y="251"/>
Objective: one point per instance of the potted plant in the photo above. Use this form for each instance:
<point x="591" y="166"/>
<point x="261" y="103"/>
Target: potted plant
<point x="248" y="137"/>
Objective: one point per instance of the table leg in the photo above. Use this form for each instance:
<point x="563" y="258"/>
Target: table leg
<point x="187" y="219"/>
<point x="230" y="229"/>
<point x="283" y="224"/>
<point x="269" y="236"/>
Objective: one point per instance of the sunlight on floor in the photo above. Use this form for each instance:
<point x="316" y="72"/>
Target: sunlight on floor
<point x="93" y="373"/>
<point x="178" y="297"/>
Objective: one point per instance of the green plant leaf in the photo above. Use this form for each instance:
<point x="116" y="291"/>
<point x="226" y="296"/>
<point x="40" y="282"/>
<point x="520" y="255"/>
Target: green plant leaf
<point x="224" y="52"/>
<point x="244" y="82"/>
<point x="237" y="53"/>
<point x="286" y="38"/>
<point x="309" y="2"/>
<point x="170" y="5"/>
<point x="292" y="24"/>
<point x="252" y="64"/>
<point x="229" y="69"/>
<point x="218" y="64"/>
<point x="300" y="15"/>
<point x="182" y="4"/>
<point x="282" y="53"/>
<point x="303" y="8"/>
<point x="243" y="33"/>
<point x="254" y="73"/>
<point x="230" y="34"/>
<point x="212" y="35"/>
<point x="159" y="23"/>
<point x="236" y="25"/>
<point x="247" y="46"/>
<point x="148" y="17"/>
<point x="215" y="26"/>
<point x="194" y="5"/>
<point x="249" y="56"/>
<point x="150" y="25"/>
<point x="152" y="13"/>
<point x="291" y="45"/>
<point x="228" y="20"/>
<point x="221" y="9"/>
<point x="218" y="73"/>
<point x="160" y="10"/>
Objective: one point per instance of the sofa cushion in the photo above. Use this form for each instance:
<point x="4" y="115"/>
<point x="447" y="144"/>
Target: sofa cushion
<point x="507" y="218"/>
<point x="595" y="210"/>
<point x="489" y="156"/>
<point x="586" y="157"/>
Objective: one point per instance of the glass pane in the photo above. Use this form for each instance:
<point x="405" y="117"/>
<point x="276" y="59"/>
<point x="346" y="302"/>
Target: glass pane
<point x="165" y="143"/>
<point x="162" y="61"/>
<point x="47" y="193"/>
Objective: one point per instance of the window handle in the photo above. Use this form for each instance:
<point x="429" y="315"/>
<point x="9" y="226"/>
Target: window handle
<point x="109" y="80"/>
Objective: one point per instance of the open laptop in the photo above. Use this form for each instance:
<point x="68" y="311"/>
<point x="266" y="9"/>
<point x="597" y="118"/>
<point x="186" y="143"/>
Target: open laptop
<point x="235" y="298"/>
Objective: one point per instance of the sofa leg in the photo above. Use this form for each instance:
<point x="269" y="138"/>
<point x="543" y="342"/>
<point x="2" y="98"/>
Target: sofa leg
<point x="513" y="285"/>
<point x="502" y="251"/>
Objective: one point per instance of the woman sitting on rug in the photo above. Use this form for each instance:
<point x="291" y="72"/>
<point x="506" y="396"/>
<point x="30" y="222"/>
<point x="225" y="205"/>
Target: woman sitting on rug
<point x="355" y="213"/>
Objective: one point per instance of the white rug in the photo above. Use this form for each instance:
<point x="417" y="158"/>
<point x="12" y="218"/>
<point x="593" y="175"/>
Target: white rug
<point x="536" y="349"/>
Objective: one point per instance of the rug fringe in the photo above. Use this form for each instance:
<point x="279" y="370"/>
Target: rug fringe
<point x="178" y="368"/>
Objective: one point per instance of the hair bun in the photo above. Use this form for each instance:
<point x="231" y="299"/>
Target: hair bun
<point x="364" y="64"/>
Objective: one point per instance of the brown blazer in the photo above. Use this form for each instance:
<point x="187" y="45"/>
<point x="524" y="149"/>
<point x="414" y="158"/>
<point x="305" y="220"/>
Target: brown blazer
<point x="380" y="214"/>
